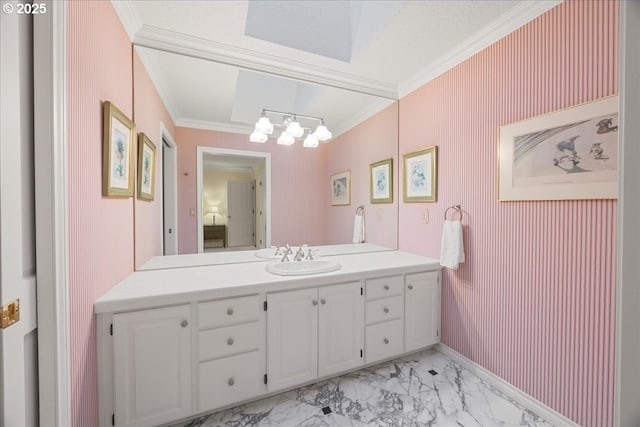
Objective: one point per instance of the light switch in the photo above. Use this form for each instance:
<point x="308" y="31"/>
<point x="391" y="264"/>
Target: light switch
<point x="192" y="212"/>
<point x="424" y="216"/>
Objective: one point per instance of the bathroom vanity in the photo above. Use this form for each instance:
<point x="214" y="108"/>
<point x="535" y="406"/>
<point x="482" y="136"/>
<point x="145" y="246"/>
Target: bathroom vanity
<point x="174" y="343"/>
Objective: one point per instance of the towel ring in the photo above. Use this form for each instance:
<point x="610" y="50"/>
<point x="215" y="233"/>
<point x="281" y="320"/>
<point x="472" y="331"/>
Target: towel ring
<point x="360" y="209"/>
<point x="455" y="207"/>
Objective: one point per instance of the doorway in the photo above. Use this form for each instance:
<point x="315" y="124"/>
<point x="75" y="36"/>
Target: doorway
<point x="234" y="199"/>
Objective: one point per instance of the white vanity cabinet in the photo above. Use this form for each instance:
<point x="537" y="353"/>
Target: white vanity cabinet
<point x="422" y="310"/>
<point x="384" y="313"/>
<point x="151" y="366"/>
<point x="313" y="333"/>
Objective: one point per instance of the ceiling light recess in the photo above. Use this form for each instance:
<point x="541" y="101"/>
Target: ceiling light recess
<point x="292" y="129"/>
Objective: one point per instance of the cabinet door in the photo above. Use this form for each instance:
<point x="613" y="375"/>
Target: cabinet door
<point x="340" y="328"/>
<point x="152" y="366"/>
<point x="292" y="338"/>
<point x="422" y="310"/>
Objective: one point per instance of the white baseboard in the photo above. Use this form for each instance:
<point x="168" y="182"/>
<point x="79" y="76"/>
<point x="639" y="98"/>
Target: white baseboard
<point x="529" y="402"/>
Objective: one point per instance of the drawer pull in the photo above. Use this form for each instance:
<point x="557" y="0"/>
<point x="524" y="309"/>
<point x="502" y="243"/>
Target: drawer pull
<point x="386" y="309"/>
<point x="230" y="341"/>
<point x="231" y="381"/>
<point x="410" y="287"/>
<point x="386" y="340"/>
<point x="184" y="324"/>
<point x="229" y="311"/>
<point x="323" y="301"/>
<point x="314" y="302"/>
<point x="386" y="287"/>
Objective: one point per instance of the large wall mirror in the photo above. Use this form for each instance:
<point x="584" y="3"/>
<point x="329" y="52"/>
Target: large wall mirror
<point x="217" y="191"/>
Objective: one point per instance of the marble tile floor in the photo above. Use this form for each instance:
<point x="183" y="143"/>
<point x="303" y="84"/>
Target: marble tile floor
<point x="422" y="389"/>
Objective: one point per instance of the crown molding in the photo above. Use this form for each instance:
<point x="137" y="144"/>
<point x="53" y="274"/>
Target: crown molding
<point x="217" y="126"/>
<point x="523" y="13"/>
<point x="171" y="41"/>
<point x="360" y="117"/>
<point x="128" y="16"/>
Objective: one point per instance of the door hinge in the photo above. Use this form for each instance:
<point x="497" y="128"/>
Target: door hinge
<point x="361" y="291"/>
<point x="10" y="314"/>
<point x="265" y="306"/>
<point x="437" y="332"/>
<point x="265" y="378"/>
<point x="361" y="354"/>
<point x="113" y="419"/>
<point x="111" y="329"/>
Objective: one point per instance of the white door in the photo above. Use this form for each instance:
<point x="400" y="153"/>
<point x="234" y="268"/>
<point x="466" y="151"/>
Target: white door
<point x="340" y="328"/>
<point x="241" y="213"/>
<point x="152" y="366"/>
<point x="422" y="310"/>
<point x="18" y="342"/>
<point x="292" y="338"/>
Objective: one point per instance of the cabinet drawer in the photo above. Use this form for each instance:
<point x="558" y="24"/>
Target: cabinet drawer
<point x="230" y="380"/>
<point x="216" y="343"/>
<point x="384" y="287"/>
<point x="383" y="310"/>
<point x="383" y="340"/>
<point x="230" y="311"/>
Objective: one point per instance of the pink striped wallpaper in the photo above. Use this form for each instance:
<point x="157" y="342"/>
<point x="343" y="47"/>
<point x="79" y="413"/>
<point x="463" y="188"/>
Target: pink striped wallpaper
<point x="297" y="182"/>
<point x="373" y="140"/>
<point x="534" y="302"/>
<point x="149" y="112"/>
<point x="101" y="250"/>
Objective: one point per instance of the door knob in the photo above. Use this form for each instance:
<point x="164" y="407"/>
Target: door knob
<point x="229" y="311"/>
<point x="410" y="287"/>
<point x="323" y="301"/>
<point x="314" y="302"/>
<point x="230" y="341"/>
<point x="386" y="309"/>
<point x="386" y="340"/>
<point x="231" y="381"/>
<point x="386" y="287"/>
<point x="184" y="323"/>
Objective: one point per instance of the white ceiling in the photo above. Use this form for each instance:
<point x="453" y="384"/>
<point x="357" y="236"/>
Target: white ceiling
<point x="386" y="48"/>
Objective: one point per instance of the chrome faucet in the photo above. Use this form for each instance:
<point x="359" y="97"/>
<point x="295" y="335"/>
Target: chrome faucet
<point x="310" y="254"/>
<point x="285" y="257"/>
<point x="299" y="254"/>
<point x="288" y="250"/>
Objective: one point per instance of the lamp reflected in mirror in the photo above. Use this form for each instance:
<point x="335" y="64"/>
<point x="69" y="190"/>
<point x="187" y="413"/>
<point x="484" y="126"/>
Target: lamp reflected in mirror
<point x="213" y="210"/>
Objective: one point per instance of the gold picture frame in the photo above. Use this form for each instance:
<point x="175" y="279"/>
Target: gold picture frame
<point x="420" y="175"/>
<point x="381" y="181"/>
<point x="341" y="188"/>
<point x="146" y="167"/>
<point x="117" y="152"/>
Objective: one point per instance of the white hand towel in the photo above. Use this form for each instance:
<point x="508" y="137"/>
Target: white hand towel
<point x="452" y="249"/>
<point x="358" y="229"/>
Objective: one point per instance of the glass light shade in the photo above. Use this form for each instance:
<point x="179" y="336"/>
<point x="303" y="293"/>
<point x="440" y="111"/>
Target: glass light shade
<point x="257" y="136"/>
<point x="294" y="129"/>
<point x="322" y="133"/>
<point x="264" y="125"/>
<point x="286" y="139"/>
<point x="310" y="141"/>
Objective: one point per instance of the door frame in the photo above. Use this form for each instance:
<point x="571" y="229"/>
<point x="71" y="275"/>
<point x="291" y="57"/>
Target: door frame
<point x="169" y="174"/>
<point x="51" y="186"/>
<point x="201" y="151"/>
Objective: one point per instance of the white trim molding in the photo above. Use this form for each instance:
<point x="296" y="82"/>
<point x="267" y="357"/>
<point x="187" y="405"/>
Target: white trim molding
<point x="216" y="126"/>
<point x="523" y="13"/>
<point x="51" y="186"/>
<point x="491" y="379"/>
<point x="128" y="15"/>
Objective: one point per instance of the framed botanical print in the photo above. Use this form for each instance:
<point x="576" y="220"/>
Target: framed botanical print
<point x="146" y="167"/>
<point x="117" y="152"/>
<point x="381" y="181"/>
<point x="420" y="175"/>
<point x="341" y="188"/>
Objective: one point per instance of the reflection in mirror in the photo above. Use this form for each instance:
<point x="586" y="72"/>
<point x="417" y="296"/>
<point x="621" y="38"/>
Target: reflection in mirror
<point x="200" y="113"/>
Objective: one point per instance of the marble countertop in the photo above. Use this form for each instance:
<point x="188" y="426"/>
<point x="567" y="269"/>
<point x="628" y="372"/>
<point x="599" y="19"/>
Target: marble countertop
<point x="156" y="288"/>
<point x="237" y="257"/>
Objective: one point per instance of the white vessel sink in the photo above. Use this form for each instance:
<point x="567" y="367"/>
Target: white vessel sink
<point x="301" y="268"/>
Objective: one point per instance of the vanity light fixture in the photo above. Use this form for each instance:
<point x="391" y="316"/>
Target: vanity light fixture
<point x="292" y="129"/>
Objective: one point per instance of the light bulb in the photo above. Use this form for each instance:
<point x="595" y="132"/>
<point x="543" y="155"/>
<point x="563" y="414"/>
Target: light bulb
<point x="264" y="125"/>
<point x="310" y="141"/>
<point x="294" y="129"/>
<point x="322" y="133"/>
<point x="258" y="136"/>
<point x="286" y="139"/>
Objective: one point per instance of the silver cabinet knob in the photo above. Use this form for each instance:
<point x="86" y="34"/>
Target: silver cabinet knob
<point x="231" y="381"/>
<point x="410" y="287"/>
<point x="314" y="302"/>
<point x="229" y="311"/>
<point x="386" y="340"/>
<point x="386" y="309"/>
<point x="184" y="323"/>
<point x="386" y="287"/>
<point x="230" y="341"/>
<point x="323" y="301"/>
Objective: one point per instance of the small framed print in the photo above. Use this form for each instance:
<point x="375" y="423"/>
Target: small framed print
<point x="117" y="152"/>
<point x="341" y="188"/>
<point x="146" y="167"/>
<point x="420" y="175"/>
<point x="381" y="184"/>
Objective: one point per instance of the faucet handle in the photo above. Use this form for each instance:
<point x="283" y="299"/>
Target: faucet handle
<point x="310" y="254"/>
<point x="288" y="249"/>
<point x="299" y="254"/>
<point x="278" y="250"/>
<point x="285" y="257"/>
